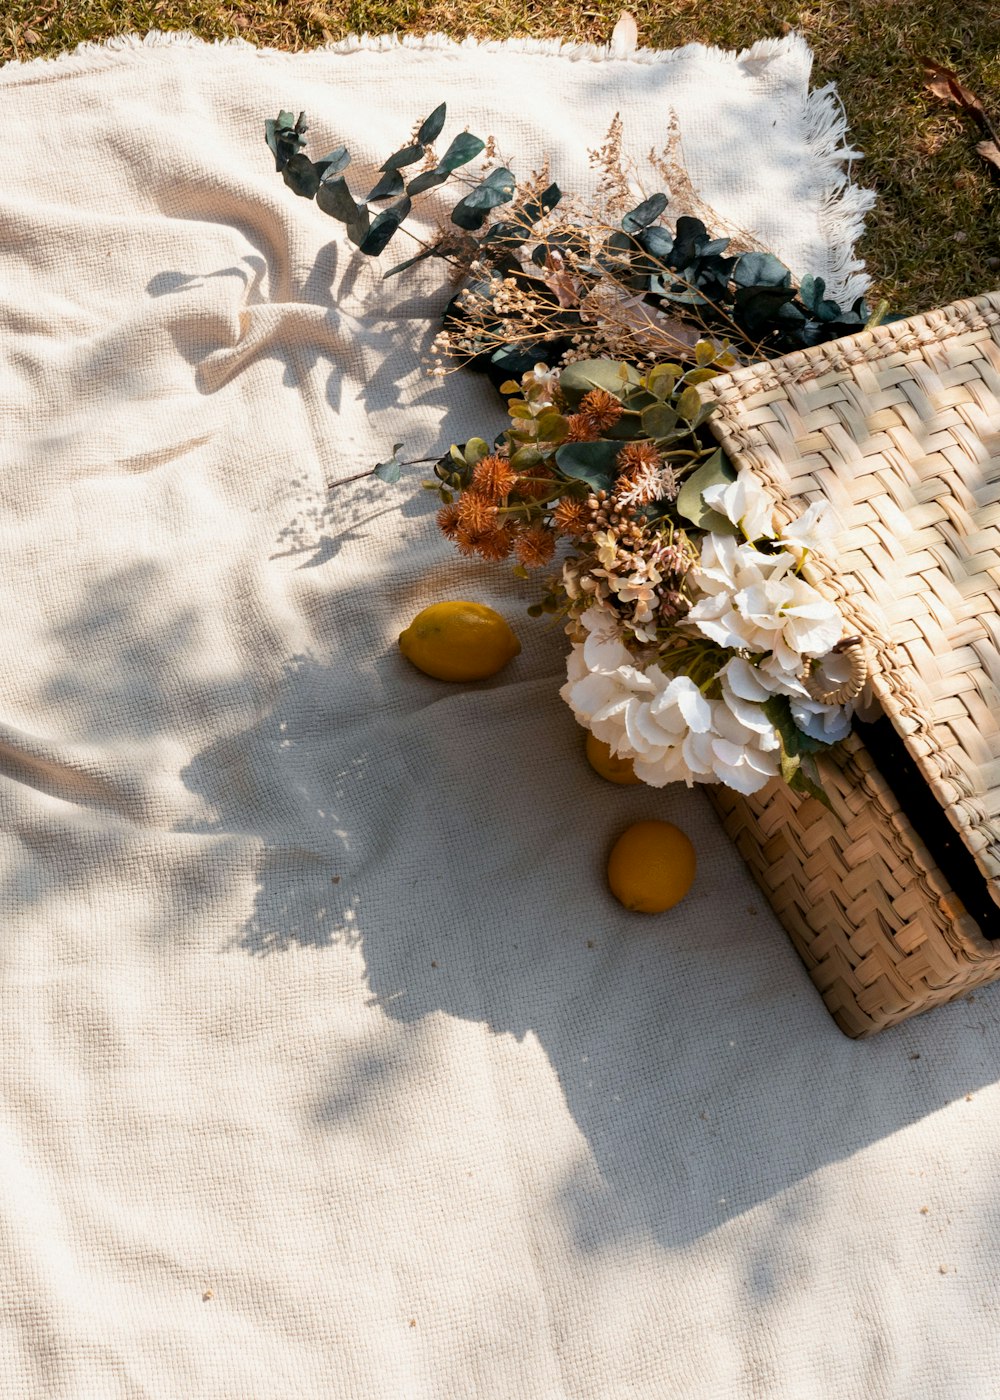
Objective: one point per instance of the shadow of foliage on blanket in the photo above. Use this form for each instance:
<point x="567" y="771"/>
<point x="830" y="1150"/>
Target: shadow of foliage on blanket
<point x="455" y="837"/>
<point x="254" y="313"/>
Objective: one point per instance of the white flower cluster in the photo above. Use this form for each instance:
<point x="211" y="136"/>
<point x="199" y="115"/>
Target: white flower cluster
<point x="750" y="602"/>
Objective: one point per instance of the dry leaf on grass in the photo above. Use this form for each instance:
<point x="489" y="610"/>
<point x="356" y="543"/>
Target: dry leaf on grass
<point x="946" y="84"/>
<point x="990" y="151"/>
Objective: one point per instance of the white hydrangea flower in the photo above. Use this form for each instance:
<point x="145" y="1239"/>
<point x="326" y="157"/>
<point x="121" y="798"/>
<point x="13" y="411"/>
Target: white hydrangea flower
<point x="745" y="503"/>
<point x="809" y="533"/>
<point x="754" y="602"/>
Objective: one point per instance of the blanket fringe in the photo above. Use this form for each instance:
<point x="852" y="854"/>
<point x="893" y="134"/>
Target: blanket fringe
<point x="844" y="204"/>
<point x="89" y="54"/>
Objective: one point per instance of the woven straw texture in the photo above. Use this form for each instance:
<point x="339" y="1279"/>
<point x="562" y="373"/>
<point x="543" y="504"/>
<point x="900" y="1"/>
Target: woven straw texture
<point x="899" y="429"/>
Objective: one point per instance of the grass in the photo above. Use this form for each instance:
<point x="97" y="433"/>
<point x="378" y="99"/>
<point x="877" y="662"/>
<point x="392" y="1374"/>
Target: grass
<point x="934" y="232"/>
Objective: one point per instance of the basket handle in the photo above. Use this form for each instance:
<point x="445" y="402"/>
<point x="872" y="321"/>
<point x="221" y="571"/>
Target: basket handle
<point x="854" y="649"/>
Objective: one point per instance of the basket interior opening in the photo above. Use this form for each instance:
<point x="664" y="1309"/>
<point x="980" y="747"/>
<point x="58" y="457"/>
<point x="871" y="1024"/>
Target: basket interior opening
<point x="948" y="851"/>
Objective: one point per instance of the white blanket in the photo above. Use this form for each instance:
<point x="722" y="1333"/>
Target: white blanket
<point x="330" y="1068"/>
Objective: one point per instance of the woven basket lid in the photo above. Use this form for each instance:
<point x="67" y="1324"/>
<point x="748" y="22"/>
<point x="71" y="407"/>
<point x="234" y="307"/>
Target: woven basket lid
<point x="899" y="429"/>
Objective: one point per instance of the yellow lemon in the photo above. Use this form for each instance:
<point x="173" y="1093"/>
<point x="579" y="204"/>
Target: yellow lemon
<point x="603" y="761"/>
<point x="651" y="867"/>
<point x="459" y="641"/>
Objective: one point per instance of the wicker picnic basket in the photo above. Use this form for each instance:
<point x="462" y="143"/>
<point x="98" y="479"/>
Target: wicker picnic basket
<point x="899" y="429"/>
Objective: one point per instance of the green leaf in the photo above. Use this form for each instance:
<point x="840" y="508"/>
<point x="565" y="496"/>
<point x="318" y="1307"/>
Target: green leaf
<point x="417" y="257"/>
<point x="497" y="188"/>
<point x="657" y="242"/>
<point x="390" y="185"/>
<point x="525" y="458"/>
<point x="700" y="376"/>
<point x="580" y="377"/>
<point x="592" y="462"/>
<point x="464" y="148"/>
<point x="300" y="175"/>
<point x="761" y="270"/>
<point x="475" y="450"/>
<point x="552" y="426"/>
<point x="335" y="199"/>
<point x="426" y="181"/>
<point x="431" y="127"/>
<point x="357" y="228"/>
<point x="660" y="421"/>
<point x="690" y="503"/>
<point x="390" y="471"/>
<point x="661" y="379"/>
<point x="335" y="162"/>
<point x="544" y="204"/>
<point x="383" y="228"/>
<point x="284" y="135"/>
<point x="644" y="214"/>
<point x="689" y="404"/>
<point x="406" y="156"/>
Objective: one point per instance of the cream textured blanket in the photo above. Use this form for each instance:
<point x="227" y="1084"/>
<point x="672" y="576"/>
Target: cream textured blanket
<point x="330" y="1069"/>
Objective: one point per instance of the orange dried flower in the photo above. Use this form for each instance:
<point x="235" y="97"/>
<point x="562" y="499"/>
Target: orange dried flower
<point x="535" y="546"/>
<point x="447" y="519"/>
<point x="601" y="409"/>
<point x="465" y="540"/>
<point x="494" y="477"/>
<point x="475" y="513"/>
<point x="580" y="428"/>
<point x="535" y="485"/>
<point x="571" y="517"/>
<point x="639" y="456"/>
<point x="496" y="544"/>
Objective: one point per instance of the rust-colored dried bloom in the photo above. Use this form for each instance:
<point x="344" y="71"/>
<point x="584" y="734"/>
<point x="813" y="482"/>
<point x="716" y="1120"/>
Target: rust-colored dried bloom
<point x="448" y="521"/>
<point x="465" y="541"/>
<point x="475" y="513"/>
<point x="494" y="477"/>
<point x="535" y="484"/>
<point x="535" y="547"/>
<point x="636" y="456"/>
<point x="496" y="544"/>
<point x="601" y="409"/>
<point x="579" y="428"/>
<point x="571" y="517"/>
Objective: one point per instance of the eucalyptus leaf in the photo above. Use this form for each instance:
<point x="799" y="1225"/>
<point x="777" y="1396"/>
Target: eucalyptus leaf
<point x="761" y="270"/>
<point x="660" y="421"/>
<point x="690" y="503"/>
<point x="644" y="214"/>
<point x="475" y="450"/>
<point x="580" y="377"/>
<point x="544" y="204"/>
<point x="384" y="227"/>
<point x="592" y="462"/>
<point x="335" y="199"/>
<point x="464" y="148"/>
<point x="336" y="161"/>
<point x="300" y="175"/>
<point x="656" y="241"/>
<point x="391" y="470"/>
<point x="388" y="471"/>
<point x="432" y="126"/>
<point x="407" y="156"/>
<point x="497" y="188"/>
<point x="410" y="262"/>
<point x="390" y="185"/>
<point x="689" y="403"/>
<point x="426" y="181"/>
